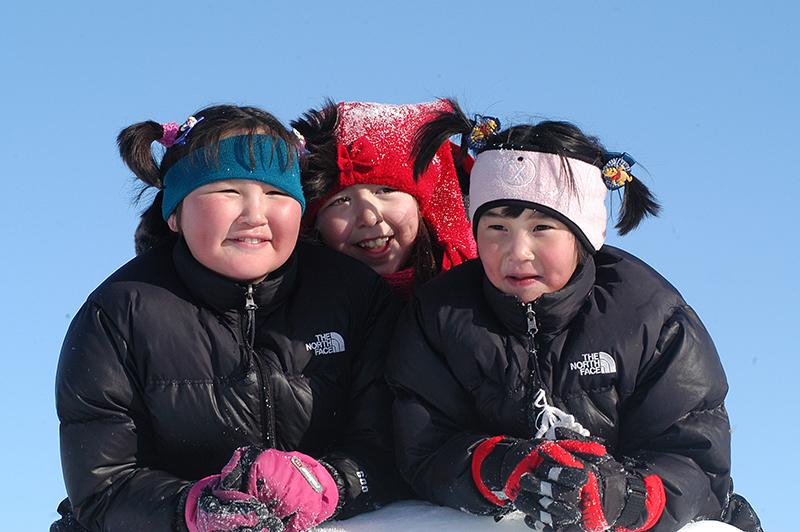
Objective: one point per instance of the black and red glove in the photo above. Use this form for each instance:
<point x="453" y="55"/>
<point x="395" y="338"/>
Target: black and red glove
<point x="566" y="482"/>
<point x="614" y="496"/>
<point x="503" y="471"/>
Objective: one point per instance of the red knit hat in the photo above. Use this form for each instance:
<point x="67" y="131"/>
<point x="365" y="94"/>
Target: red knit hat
<point x="374" y="143"/>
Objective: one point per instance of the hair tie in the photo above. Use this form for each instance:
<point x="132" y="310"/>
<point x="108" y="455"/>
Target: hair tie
<point x="301" y="143"/>
<point x="483" y="128"/>
<point x="617" y="171"/>
<point x="170" y="133"/>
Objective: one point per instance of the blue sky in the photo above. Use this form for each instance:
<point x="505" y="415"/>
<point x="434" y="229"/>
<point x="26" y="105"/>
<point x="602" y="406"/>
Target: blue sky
<point x="702" y="94"/>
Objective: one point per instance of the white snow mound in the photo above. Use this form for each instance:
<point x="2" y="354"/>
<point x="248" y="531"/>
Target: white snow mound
<point x="419" y="516"/>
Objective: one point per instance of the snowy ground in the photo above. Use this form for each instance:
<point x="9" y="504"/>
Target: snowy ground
<point x="418" y="516"/>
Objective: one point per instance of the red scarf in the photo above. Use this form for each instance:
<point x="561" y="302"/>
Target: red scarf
<point x="403" y="282"/>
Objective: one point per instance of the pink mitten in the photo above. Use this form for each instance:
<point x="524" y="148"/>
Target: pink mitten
<point x="211" y="507"/>
<point x="294" y="485"/>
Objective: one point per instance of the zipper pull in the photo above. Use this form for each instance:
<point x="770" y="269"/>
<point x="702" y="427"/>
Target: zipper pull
<point x="531" y="317"/>
<point x="251" y="307"/>
<point x="249" y="302"/>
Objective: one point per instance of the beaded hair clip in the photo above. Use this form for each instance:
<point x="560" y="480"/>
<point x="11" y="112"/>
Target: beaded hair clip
<point x="172" y="130"/>
<point x="485" y="127"/>
<point x="617" y="171"/>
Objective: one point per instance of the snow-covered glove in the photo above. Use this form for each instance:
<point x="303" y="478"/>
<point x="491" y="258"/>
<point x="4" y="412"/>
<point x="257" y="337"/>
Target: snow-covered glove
<point x="606" y="496"/>
<point x="220" y="503"/>
<point x="503" y="468"/>
<point x="295" y="486"/>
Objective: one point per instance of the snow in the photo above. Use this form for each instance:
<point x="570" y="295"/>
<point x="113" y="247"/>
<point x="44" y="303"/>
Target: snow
<point x="419" y="516"/>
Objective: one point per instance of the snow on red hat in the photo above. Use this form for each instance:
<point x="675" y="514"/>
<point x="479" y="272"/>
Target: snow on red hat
<point x="374" y="143"/>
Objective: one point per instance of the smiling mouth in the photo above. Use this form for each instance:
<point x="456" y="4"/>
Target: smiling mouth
<point x="374" y="243"/>
<point x="249" y="241"/>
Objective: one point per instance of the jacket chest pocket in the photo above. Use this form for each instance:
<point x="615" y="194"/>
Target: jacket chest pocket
<point x="191" y="420"/>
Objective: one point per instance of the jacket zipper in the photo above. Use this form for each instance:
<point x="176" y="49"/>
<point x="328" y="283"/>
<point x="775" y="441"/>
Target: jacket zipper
<point x="534" y="382"/>
<point x="267" y="421"/>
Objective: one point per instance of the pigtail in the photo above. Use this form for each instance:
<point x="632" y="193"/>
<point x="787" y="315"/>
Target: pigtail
<point x="637" y="202"/>
<point x="319" y="167"/>
<point x="135" y="148"/>
<point x="430" y="137"/>
<point x="152" y="229"/>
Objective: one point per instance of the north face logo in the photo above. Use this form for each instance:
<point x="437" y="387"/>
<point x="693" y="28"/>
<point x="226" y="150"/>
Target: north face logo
<point x="595" y="363"/>
<point x="326" y="344"/>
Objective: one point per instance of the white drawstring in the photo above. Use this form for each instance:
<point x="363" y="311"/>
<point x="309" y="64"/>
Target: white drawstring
<point x="551" y="417"/>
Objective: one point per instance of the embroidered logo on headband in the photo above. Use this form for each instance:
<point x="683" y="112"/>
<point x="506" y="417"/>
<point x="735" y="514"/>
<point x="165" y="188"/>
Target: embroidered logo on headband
<point x="521" y="172"/>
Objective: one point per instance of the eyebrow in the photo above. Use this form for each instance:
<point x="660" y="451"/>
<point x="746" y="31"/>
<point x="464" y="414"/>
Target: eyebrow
<point x="501" y="215"/>
<point x="529" y="213"/>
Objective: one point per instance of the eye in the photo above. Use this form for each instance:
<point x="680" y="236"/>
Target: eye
<point x="276" y="193"/>
<point x="385" y="190"/>
<point x="341" y="200"/>
<point x="542" y="227"/>
<point x="496" y="227"/>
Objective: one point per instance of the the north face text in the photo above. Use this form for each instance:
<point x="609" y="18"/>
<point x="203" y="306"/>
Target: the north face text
<point x="595" y="364"/>
<point x="326" y="344"/>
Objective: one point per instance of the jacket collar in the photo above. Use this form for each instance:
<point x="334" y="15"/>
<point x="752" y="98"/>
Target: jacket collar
<point x="554" y="311"/>
<point x="223" y="294"/>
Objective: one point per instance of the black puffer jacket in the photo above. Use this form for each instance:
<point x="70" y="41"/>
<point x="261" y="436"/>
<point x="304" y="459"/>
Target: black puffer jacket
<point x="157" y="383"/>
<point x="617" y="347"/>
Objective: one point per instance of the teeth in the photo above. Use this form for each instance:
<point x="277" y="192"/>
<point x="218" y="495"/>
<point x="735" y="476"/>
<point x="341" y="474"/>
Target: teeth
<point x="374" y="243"/>
<point x="250" y="240"/>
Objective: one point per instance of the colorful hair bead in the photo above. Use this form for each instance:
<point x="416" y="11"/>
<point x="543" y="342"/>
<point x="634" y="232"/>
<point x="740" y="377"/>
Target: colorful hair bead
<point x="617" y="171"/>
<point x="485" y="127"/>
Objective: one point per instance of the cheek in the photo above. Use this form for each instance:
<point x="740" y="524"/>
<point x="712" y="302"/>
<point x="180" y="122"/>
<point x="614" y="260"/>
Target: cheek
<point x="333" y="230"/>
<point x="561" y="262"/>
<point x="205" y="220"/>
<point x="404" y="220"/>
<point x="285" y="221"/>
<point x="491" y="257"/>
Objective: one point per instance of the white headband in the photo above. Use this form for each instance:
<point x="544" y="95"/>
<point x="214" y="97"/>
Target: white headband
<point x="540" y="178"/>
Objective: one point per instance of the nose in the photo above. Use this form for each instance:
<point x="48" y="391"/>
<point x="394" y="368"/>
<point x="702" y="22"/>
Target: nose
<point x="520" y="247"/>
<point x="368" y="211"/>
<point x="254" y="210"/>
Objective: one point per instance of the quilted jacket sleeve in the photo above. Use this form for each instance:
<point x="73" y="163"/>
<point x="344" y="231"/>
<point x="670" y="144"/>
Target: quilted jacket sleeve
<point x="363" y="455"/>
<point x="675" y="423"/>
<point x="106" y="449"/>
<point x="432" y="419"/>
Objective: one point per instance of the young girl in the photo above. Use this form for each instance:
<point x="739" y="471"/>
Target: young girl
<point x="504" y="366"/>
<point x="225" y="340"/>
<point x="363" y="198"/>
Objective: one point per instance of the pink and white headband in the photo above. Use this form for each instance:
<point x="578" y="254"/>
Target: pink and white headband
<point x="540" y="178"/>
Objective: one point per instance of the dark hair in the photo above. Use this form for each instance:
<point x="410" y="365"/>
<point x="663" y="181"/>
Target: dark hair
<point x="319" y="171"/>
<point x="556" y="137"/>
<point x="214" y="123"/>
<point x="319" y="174"/>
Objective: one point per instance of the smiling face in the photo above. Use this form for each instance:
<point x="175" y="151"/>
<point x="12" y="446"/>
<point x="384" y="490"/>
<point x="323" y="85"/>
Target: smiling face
<point x="528" y="255"/>
<point x="372" y="223"/>
<point x="239" y="228"/>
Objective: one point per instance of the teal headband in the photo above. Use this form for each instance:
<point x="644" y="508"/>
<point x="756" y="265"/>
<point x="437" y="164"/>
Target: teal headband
<point x="271" y="166"/>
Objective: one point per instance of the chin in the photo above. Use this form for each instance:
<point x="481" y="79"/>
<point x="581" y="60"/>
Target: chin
<point x="527" y="296"/>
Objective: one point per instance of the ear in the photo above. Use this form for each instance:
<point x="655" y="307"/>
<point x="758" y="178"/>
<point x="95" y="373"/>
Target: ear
<point x="172" y="222"/>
